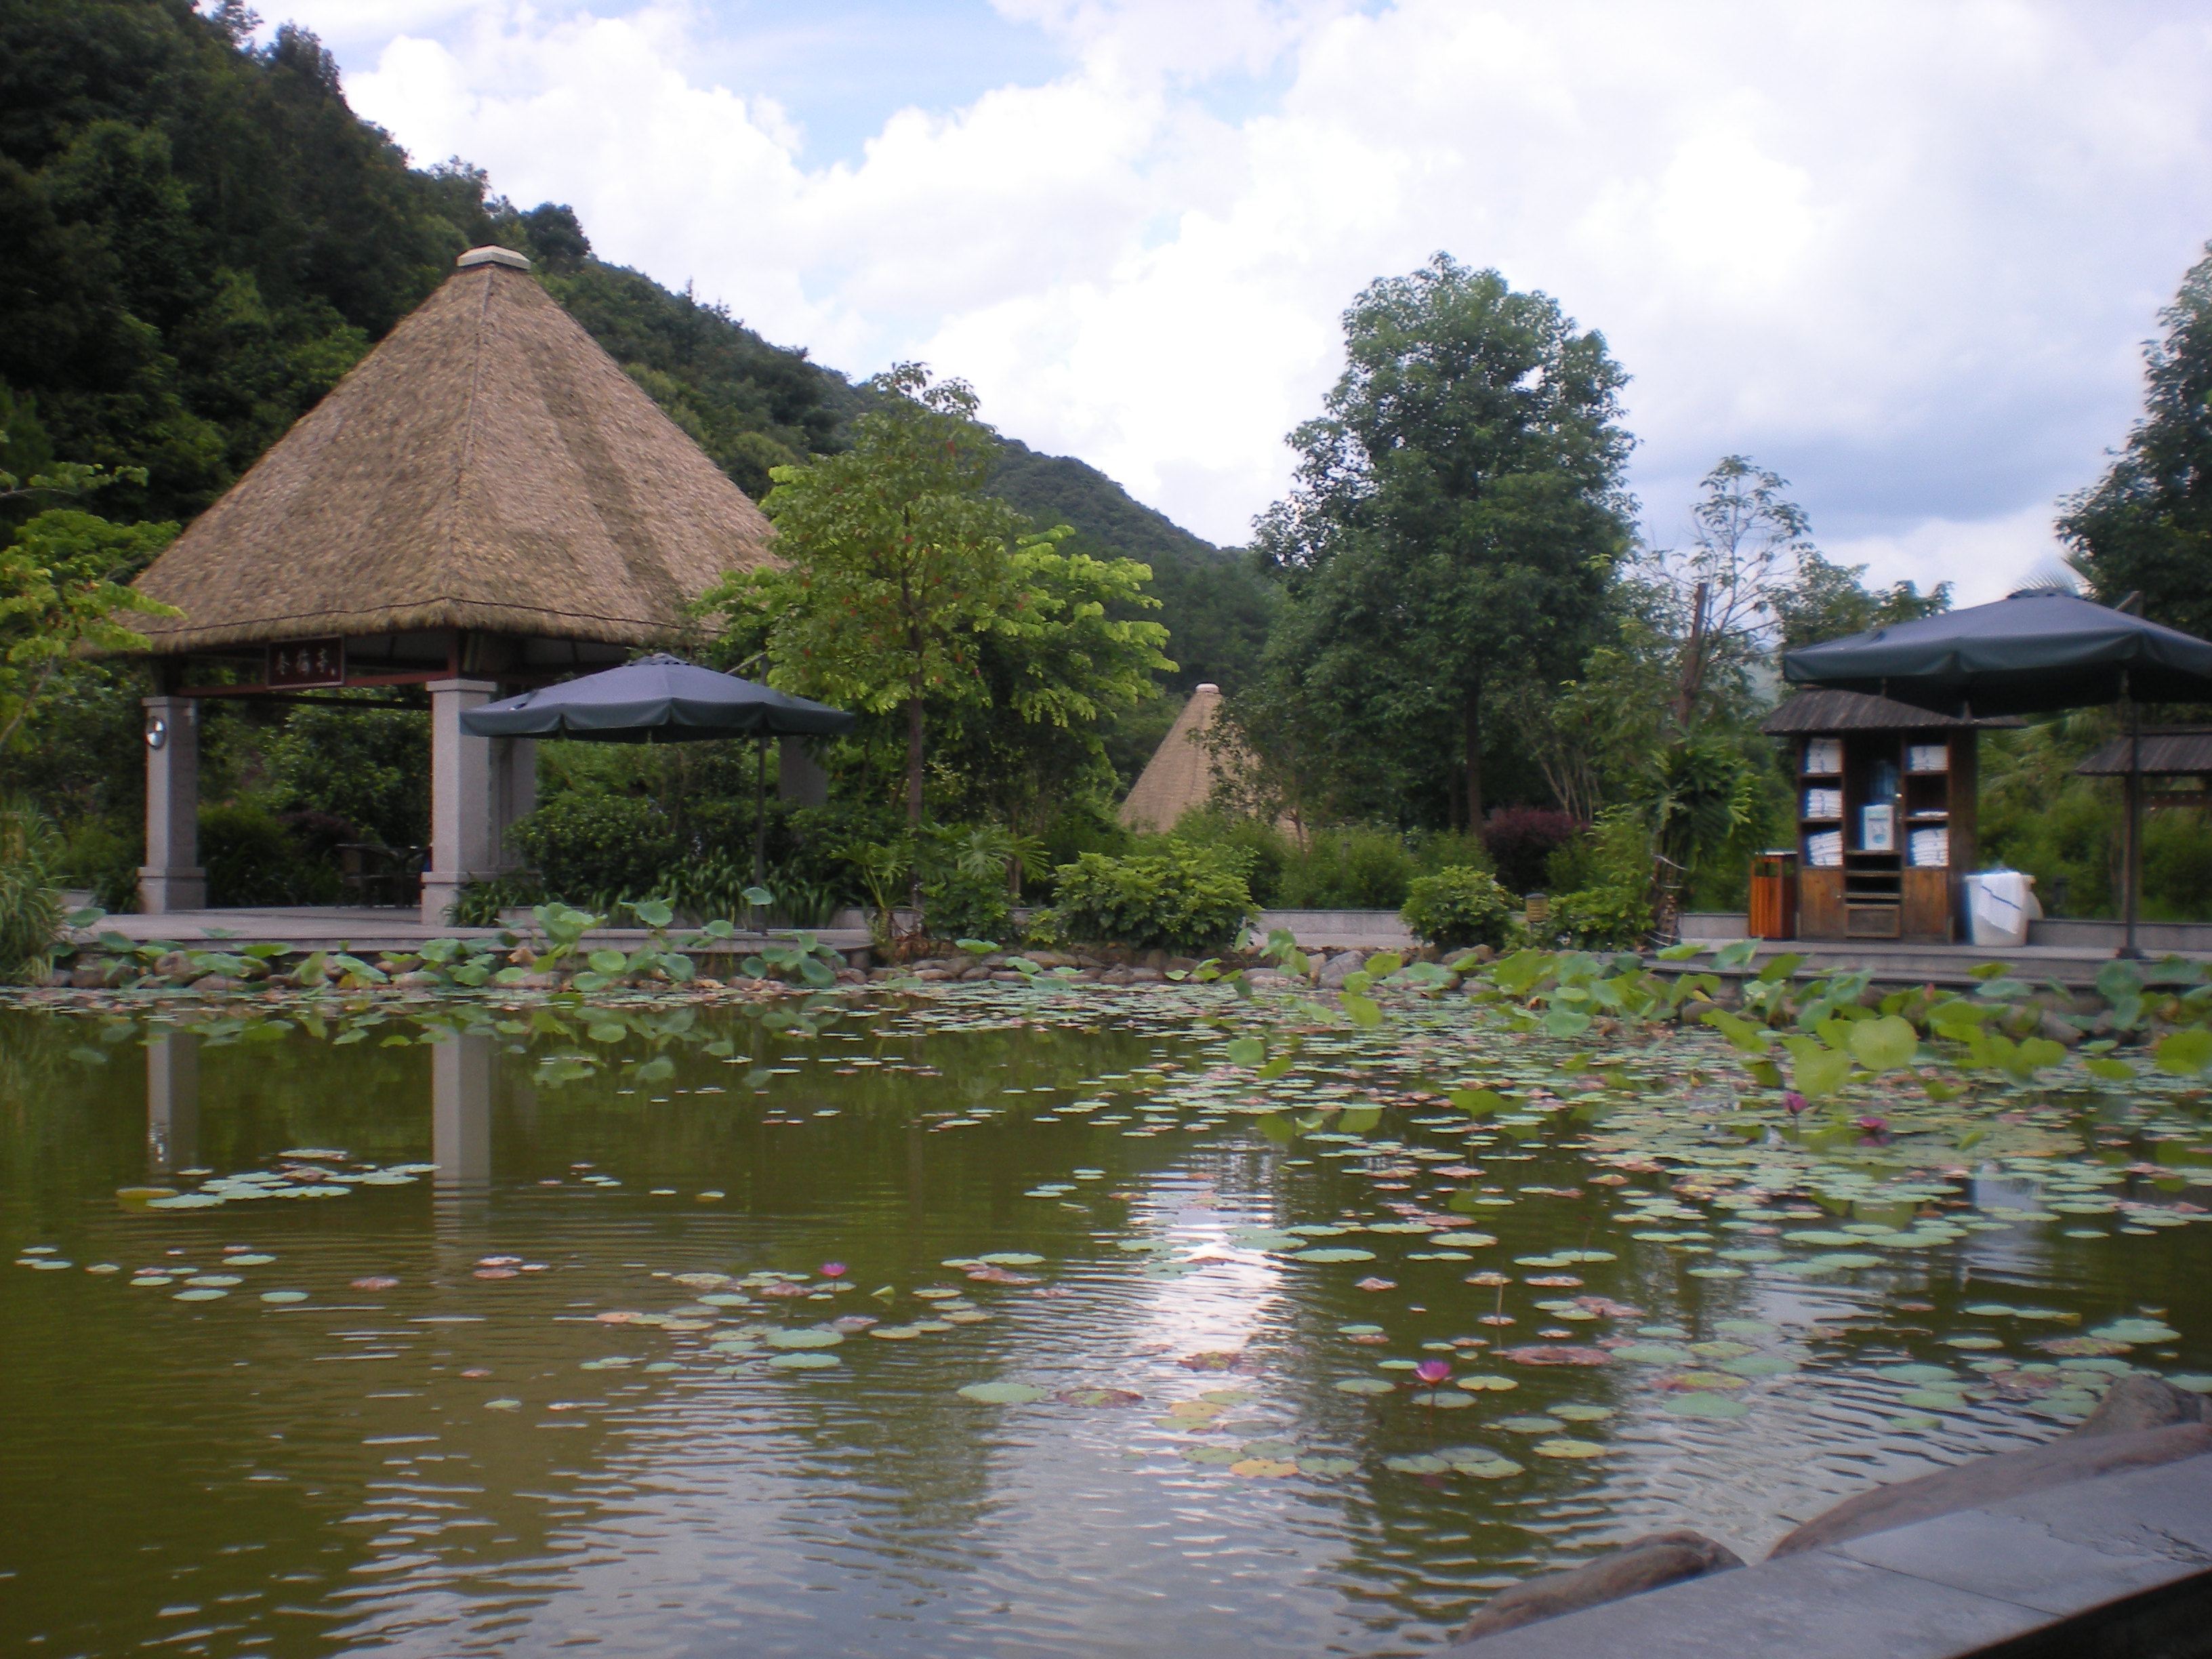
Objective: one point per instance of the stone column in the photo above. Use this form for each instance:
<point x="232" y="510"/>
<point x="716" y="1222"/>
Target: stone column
<point x="514" y="763"/>
<point x="173" y="1101"/>
<point x="172" y="879"/>
<point x="463" y="798"/>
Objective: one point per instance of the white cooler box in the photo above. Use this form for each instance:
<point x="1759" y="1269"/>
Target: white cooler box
<point x="2000" y="903"/>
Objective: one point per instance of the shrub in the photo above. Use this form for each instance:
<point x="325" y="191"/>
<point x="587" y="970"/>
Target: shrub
<point x="1177" y="897"/>
<point x="1458" y="908"/>
<point x="1608" y="872"/>
<point x="1268" y="853"/>
<point x="103" y="861"/>
<point x="30" y="909"/>
<point x="1436" y="850"/>
<point x="588" y="846"/>
<point x="368" y="766"/>
<point x="1600" y="918"/>
<point x="1521" y="839"/>
<point x="958" y="905"/>
<point x="1352" y="868"/>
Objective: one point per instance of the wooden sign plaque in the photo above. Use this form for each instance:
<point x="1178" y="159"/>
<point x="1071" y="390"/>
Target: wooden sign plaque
<point x="297" y="664"/>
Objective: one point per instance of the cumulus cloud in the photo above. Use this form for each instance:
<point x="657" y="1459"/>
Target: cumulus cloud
<point x="1903" y="254"/>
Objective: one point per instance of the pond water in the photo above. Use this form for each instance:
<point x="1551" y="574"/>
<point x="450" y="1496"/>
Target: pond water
<point x="666" y="1354"/>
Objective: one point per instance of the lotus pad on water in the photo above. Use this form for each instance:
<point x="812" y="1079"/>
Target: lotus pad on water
<point x="1003" y="1393"/>
<point x="2136" y="1331"/>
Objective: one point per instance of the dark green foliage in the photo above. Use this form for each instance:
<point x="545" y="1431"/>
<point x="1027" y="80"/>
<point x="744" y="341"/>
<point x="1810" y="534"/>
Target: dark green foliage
<point x="1175" y="896"/>
<point x="252" y="857"/>
<point x="1456" y="909"/>
<point x="1088" y="826"/>
<point x="30" y="908"/>
<point x="1351" y="868"/>
<point x="1268" y="854"/>
<point x="1521" y="839"/>
<point x="957" y="905"/>
<point x="368" y="766"/>
<point x="1216" y="607"/>
<point x="596" y="845"/>
<point x="2146" y="526"/>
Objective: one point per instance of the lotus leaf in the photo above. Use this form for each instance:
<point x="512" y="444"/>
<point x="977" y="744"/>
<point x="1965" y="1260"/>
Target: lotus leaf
<point x="804" y="1339"/>
<point x="1568" y="1448"/>
<point x="1002" y="1394"/>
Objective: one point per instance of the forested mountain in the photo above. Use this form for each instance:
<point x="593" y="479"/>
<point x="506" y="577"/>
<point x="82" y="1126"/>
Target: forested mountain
<point x="199" y="238"/>
<point x="1215" y="604"/>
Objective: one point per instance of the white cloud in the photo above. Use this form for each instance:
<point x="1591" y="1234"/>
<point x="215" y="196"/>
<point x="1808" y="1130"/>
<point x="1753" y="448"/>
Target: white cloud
<point x="1903" y="254"/>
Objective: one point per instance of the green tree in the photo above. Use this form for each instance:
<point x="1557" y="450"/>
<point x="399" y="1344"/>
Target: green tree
<point x="1053" y="670"/>
<point x="1457" y="516"/>
<point x="896" y="570"/>
<point x="2146" y="526"/>
<point x="1826" y="601"/>
<point x="64" y="579"/>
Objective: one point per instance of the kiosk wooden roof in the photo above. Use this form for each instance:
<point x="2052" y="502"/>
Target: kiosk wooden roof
<point x="486" y="492"/>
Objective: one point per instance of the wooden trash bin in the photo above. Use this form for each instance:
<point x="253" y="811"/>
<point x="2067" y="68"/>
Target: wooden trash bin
<point x="1774" y="895"/>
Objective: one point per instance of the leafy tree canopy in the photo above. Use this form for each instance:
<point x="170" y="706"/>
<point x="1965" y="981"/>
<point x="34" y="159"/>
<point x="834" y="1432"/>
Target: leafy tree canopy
<point x="2146" y="526"/>
<point x="904" y="586"/>
<point x="1456" y="521"/>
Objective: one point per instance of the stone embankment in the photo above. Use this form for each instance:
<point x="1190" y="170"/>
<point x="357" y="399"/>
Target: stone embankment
<point x="1948" y="1558"/>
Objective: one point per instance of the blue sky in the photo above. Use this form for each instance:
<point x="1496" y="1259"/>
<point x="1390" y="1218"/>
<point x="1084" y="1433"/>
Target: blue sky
<point x="1905" y="253"/>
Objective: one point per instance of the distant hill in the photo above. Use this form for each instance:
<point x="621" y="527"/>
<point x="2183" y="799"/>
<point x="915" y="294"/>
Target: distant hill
<point x="1214" y="605"/>
<point x="198" y="237"/>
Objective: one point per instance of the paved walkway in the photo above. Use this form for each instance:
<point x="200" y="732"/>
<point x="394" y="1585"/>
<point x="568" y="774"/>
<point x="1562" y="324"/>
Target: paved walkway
<point x="363" y="928"/>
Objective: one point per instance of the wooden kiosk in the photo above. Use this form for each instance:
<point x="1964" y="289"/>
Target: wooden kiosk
<point x="1886" y="797"/>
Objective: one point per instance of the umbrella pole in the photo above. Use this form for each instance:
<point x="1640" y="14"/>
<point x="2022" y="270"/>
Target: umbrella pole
<point x="2132" y="876"/>
<point x="760" y="813"/>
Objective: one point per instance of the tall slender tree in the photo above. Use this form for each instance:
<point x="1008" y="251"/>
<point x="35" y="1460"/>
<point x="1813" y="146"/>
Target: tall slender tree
<point x="1458" y="513"/>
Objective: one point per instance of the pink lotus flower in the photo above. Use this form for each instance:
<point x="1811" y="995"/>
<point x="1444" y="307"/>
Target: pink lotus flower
<point x="1793" y="1103"/>
<point x="1433" y="1371"/>
<point x="833" y="1270"/>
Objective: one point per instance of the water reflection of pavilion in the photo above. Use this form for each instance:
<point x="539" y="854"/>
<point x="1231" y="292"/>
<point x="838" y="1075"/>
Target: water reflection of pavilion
<point x="462" y="1071"/>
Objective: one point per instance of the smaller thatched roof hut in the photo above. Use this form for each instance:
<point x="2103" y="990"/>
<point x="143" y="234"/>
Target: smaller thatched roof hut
<point x="1181" y="772"/>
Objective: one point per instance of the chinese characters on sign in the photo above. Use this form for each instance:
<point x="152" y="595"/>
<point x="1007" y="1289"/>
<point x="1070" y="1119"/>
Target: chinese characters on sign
<point x="307" y="662"/>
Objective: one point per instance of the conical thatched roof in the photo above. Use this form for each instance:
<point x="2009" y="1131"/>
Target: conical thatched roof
<point x="1180" y="773"/>
<point x="488" y="466"/>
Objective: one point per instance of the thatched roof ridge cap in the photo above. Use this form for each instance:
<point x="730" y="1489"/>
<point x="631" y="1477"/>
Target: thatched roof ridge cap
<point x="492" y="254"/>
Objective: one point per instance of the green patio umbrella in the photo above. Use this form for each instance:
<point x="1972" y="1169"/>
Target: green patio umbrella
<point x="663" y="699"/>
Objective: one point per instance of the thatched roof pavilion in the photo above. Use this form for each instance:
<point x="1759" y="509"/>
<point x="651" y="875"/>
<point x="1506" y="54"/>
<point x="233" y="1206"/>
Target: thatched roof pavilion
<point x="487" y="499"/>
<point x="487" y="471"/>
